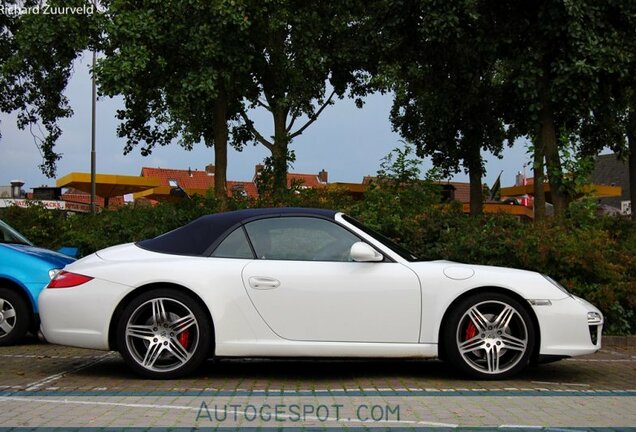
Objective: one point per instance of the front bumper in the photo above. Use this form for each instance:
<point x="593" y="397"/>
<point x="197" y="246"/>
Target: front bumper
<point x="80" y="316"/>
<point x="569" y="327"/>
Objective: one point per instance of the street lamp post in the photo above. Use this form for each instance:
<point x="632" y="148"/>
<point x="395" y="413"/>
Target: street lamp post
<point x="93" y="153"/>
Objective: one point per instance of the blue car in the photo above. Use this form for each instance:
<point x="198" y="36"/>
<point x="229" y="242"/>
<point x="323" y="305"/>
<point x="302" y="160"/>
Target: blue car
<point x="24" y="271"/>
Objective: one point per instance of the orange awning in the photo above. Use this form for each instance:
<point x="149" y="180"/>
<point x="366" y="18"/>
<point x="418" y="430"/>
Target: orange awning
<point x="107" y="185"/>
<point x="598" y="191"/>
<point x="161" y="193"/>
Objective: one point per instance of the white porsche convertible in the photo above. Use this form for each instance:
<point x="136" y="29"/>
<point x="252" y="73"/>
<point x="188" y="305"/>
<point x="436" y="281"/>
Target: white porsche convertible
<point x="298" y="282"/>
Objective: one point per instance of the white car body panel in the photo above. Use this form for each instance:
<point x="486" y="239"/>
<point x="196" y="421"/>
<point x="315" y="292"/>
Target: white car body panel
<point x="319" y="308"/>
<point x="316" y="301"/>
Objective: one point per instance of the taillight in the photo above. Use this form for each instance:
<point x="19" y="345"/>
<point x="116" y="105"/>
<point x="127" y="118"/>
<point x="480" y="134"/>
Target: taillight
<point x="66" y="279"/>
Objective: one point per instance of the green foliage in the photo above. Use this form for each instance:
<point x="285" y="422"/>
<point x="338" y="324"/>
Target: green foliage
<point x="397" y="195"/>
<point x="593" y="258"/>
<point x="38" y="224"/>
<point x="89" y="232"/>
<point x="266" y="180"/>
<point x="174" y="63"/>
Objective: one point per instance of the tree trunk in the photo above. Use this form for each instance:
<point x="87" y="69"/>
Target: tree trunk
<point x="548" y="139"/>
<point x="279" y="152"/>
<point x="475" y="174"/>
<point x="631" y="140"/>
<point x="539" y="192"/>
<point x="220" y="149"/>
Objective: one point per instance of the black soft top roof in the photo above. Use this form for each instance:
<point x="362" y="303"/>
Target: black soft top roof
<point x="200" y="235"/>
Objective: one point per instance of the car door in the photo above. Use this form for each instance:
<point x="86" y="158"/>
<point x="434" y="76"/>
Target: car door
<point x="306" y="287"/>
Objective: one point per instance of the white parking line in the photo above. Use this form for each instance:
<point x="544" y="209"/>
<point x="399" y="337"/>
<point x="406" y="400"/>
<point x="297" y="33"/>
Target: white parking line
<point x="49" y="379"/>
<point x="561" y="384"/>
<point x="44" y="357"/>
<point x="198" y="409"/>
<point x="602" y="360"/>
<point x="274" y="391"/>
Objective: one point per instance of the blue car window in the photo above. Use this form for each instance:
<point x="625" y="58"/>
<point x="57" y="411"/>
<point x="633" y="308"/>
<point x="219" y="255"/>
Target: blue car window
<point x="9" y="235"/>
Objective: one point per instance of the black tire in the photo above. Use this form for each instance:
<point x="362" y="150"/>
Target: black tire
<point x="14" y="327"/>
<point x="491" y="351"/>
<point x="162" y="339"/>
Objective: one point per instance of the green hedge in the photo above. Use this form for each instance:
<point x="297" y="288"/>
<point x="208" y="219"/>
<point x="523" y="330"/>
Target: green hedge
<point x="594" y="257"/>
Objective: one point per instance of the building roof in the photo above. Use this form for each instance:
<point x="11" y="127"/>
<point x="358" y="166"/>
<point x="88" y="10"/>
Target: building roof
<point x="462" y="191"/>
<point x="192" y="181"/>
<point x="308" y="180"/>
<point x="198" y="182"/>
<point x="249" y="187"/>
<point x="187" y="179"/>
<point x="78" y="196"/>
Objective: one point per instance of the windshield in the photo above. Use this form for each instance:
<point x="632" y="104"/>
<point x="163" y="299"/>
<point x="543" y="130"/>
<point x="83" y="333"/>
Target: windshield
<point x="9" y="235"/>
<point x="401" y="251"/>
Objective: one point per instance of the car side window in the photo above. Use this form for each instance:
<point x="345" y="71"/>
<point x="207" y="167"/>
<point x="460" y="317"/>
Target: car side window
<point x="300" y="239"/>
<point x="234" y="245"/>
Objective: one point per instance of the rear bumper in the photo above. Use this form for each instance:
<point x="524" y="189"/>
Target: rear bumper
<point x="565" y="329"/>
<point x="80" y="316"/>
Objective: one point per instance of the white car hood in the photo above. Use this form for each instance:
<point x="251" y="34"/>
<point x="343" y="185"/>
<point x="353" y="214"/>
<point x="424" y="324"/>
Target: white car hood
<point x="528" y="284"/>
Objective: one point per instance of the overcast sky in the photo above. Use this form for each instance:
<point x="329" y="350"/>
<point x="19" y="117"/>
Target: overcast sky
<point x="346" y="141"/>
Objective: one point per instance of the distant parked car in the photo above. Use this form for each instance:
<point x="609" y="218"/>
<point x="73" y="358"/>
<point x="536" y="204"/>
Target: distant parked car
<point x="24" y="271"/>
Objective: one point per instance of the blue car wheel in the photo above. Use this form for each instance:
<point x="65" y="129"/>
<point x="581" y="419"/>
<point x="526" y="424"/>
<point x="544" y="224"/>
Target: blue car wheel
<point x="14" y="316"/>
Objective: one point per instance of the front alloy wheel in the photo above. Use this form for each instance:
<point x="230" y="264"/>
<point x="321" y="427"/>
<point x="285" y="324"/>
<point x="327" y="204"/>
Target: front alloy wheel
<point x="164" y="334"/>
<point x="489" y="336"/>
<point x="14" y="317"/>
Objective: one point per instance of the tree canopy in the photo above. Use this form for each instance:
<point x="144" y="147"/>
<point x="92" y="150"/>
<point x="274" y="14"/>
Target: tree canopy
<point x="37" y="52"/>
<point x="183" y="71"/>
<point x="448" y="96"/>
<point x="467" y="76"/>
<point x="302" y="58"/>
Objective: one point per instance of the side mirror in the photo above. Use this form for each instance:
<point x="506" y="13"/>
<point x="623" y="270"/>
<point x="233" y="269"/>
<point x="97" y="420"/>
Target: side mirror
<point x="68" y="251"/>
<point x="362" y="252"/>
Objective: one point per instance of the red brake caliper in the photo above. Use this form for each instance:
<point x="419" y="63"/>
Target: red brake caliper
<point x="184" y="338"/>
<point x="471" y="331"/>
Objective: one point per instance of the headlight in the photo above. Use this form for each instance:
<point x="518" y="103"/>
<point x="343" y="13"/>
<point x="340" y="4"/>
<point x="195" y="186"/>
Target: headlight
<point x="53" y="273"/>
<point x="558" y="285"/>
<point x="594" y="318"/>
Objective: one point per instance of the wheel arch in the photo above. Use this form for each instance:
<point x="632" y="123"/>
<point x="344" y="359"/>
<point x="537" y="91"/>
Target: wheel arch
<point x="112" y="336"/>
<point x="492" y="289"/>
<point x="23" y="292"/>
<point x="19" y="288"/>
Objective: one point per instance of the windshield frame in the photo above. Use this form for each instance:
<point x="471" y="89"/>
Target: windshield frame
<point x="20" y="239"/>
<point x="395" y="247"/>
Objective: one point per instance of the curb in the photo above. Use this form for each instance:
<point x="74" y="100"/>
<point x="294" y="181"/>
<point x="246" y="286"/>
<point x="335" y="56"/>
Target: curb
<point x="619" y="341"/>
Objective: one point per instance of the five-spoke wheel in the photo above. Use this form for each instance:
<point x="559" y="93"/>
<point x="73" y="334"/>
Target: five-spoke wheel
<point x="489" y="336"/>
<point x="164" y="334"/>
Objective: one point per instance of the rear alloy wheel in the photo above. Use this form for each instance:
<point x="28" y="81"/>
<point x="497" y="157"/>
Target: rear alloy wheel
<point x="164" y="334"/>
<point x="489" y="336"/>
<point x="14" y="317"/>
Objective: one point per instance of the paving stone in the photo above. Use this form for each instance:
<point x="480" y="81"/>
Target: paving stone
<point x="71" y="387"/>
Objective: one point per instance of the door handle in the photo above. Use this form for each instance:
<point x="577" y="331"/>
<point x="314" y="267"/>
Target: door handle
<point x="264" y="283"/>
